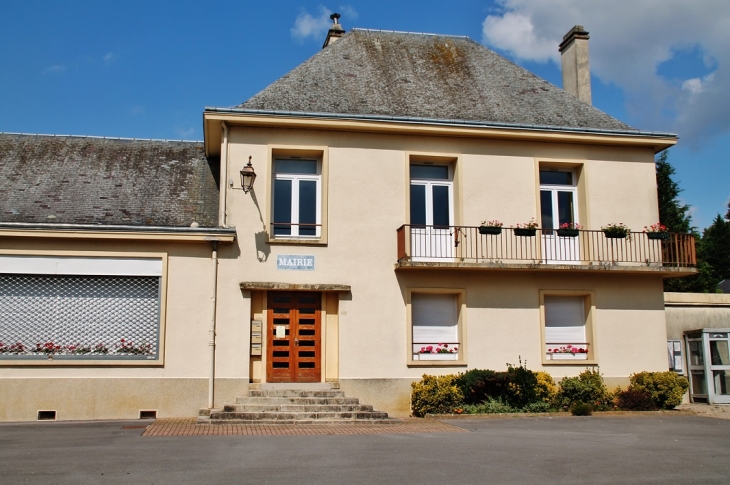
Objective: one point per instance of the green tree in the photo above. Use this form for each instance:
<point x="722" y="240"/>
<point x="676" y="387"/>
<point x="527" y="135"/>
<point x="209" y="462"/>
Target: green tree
<point x="716" y="248"/>
<point x="672" y="213"/>
<point x="676" y="216"/>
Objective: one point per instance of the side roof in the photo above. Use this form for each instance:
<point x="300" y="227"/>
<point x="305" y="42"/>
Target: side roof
<point x="400" y="74"/>
<point x="87" y="180"/>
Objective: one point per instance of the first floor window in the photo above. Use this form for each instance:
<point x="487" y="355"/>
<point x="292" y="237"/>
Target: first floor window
<point x="297" y="198"/>
<point x="566" y="334"/>
<point x="435" y="326"/>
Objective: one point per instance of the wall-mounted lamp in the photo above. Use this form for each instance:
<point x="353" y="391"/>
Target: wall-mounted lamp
<point x="247" y="177"/>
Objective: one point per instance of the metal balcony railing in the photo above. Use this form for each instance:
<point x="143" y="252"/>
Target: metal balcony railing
<point x="543" y="246"/>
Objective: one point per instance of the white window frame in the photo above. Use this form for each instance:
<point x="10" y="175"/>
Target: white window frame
<point x="588" y="298"/>
<point x="295" y="181"/>
<point x="459" y="358"/>
<point x="554" y="189"/>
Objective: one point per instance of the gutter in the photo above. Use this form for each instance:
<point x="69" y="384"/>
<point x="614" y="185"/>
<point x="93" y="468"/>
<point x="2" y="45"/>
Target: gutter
<point x="107" y="231"/>
<point x="440" y="122"/>
<point x="211" y="337"/>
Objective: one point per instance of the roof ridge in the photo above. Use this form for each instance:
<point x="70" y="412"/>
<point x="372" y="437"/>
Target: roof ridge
<point x="357" y="29"/>
<point x="98" y="137"/>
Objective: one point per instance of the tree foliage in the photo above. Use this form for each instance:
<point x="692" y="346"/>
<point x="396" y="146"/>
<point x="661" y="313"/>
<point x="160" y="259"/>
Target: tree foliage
<point x="676" y="216"/>
<point x="716" y="248"/>
<point x="672" y="213"/>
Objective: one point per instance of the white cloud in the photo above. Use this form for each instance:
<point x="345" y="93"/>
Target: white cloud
<point x="629" y="40"/>
<point x="54" y="69"/>
<point x="136" y="110"/>
<point x="108" y="57"/>
<point x="306" y="25"/>
<point x="348" y="13"/>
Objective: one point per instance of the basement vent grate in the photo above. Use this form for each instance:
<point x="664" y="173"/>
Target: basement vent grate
<point x="148" y="414"/>
<point x="46" y="415"/>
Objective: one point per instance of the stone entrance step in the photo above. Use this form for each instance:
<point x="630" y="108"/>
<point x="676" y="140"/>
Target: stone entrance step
<point x="285" y="405"/>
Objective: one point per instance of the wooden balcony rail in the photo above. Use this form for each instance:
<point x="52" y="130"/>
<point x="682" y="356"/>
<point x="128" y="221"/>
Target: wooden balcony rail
<point x="543" y="246"/>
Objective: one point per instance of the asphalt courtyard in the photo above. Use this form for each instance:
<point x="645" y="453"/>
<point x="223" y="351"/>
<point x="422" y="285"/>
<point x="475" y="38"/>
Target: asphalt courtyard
<point x="635" y="448"/>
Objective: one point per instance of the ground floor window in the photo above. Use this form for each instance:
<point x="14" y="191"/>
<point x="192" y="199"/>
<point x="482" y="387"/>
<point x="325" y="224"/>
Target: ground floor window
<point x="73" y="315"/>
<point x="567" y="326"/>
<point x="436" y="326"/>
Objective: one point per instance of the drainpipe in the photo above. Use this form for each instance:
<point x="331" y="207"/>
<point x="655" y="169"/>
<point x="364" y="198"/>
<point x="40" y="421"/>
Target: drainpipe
<point x="211" y="340"/>
<point x="223" y="177"/>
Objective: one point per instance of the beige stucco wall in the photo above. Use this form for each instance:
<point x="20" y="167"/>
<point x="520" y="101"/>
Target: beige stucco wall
<point x="179" y="386"/>
<point x="366" y="181"/>
<point x="693" y="311"/>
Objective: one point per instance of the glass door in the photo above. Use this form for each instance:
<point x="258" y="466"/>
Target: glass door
<point x="696" y="370"/>
<point x="558" y="197"/>
<point x="718" y="347"/>
<point x="431" y="213"/>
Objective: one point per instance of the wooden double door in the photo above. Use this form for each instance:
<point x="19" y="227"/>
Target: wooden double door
<point x="294" y="343"/>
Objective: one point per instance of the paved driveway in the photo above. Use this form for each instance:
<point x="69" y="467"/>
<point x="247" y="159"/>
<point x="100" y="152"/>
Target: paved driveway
<point x="543" y="450"/>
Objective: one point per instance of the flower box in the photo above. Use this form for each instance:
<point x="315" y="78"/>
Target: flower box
<point x="568" y="356"/>
<point x="490" y="230"/>
<point x="524" y="232"/>
<point x="663" y="236"/>
<point x="568" y="232"/>
<point x="615" y="234"/>
<point x="440" y="356"/>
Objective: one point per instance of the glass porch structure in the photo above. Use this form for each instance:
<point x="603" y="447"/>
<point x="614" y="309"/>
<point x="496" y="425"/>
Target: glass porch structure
<point x="708" y="364"/>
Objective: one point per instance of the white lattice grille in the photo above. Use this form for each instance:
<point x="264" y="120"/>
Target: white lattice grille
<point x="79" y="316"/>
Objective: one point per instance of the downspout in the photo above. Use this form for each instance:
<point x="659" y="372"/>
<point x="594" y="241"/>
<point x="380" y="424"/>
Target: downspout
<point x="211" y="340"/>
<point x="223" y="177"/>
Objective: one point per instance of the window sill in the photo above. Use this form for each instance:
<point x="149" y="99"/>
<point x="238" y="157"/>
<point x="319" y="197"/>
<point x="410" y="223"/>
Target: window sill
<point x="297" y="241"/>
<point x="569" y="362"/>
<point x="60" y="362"/>
<point x="437" y="363"/>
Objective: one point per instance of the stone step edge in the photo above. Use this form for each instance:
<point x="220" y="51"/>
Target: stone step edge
<point x="317" y="422"/>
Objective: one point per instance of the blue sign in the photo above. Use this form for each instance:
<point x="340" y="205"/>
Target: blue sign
<point x="296" y="262"/>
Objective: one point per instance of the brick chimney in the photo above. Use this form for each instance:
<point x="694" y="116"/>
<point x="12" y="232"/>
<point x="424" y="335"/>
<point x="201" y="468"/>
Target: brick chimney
<point x="336" y="31"/>
<point x="575" y="66"/>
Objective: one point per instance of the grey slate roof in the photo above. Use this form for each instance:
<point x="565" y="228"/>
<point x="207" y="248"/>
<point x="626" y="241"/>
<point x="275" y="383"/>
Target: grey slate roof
<point x="402" y="74"/>
<point x="85" y="180"/>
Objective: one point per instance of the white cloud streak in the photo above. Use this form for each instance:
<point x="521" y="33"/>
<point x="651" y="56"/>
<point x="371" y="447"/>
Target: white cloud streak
<point x="629" y="40"/>
<point x="308" y="26"/>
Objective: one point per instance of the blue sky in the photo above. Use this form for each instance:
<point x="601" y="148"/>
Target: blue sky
<point x="147" y="69"/>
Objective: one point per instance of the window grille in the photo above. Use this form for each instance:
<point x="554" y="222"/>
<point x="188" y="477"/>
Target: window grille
<point x="79" y="317"/>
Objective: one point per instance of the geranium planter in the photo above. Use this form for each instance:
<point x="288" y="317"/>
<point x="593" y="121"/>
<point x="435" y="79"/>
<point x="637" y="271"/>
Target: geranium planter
<point x="490" y="230"/>
<point x="568" y="356"/>
<point x="524" y="232"/>
<point x="427" y="356"/>
<point x="568" y="232"/>
<point x="615" y="234"/>
<point x="663" y="236"/>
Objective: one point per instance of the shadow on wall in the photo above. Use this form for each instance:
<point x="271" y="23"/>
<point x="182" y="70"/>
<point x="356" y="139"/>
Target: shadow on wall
<point x="521" y="290"/>
<point x="263" y="250"/>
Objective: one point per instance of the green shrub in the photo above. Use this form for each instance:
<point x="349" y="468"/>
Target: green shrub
<point x="588" y="387"/>
<point x="522" y="389"/>
<point x="634" y="400"/>
<point x="516" y="387"/>
<point x="435" y="395"/>
<point x="479" y="385"/>
<point x="538" y="407"/>
<point x="490" y="406"/>
<point x="665" y="388"/>
<point x="545" y="389"/>
<point x="581" y="409"/>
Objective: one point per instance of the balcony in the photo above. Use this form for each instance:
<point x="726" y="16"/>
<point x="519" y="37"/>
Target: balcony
<point x="451" y="247"/>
